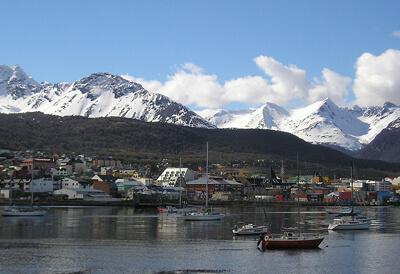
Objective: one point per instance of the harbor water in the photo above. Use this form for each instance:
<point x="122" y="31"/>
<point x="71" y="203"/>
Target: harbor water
<point x="128" y="240"/>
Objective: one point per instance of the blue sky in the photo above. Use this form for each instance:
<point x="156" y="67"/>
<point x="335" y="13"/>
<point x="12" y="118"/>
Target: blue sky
<point x="66" y="40"/>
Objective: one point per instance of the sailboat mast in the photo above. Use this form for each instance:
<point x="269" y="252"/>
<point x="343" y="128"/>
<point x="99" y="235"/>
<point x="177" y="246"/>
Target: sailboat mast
<point x="180" y="182"/>
<point x="31" y="186"/>
<point x="298" y="193"/>
<point x="207" y="178"/>
<point x="351" y="180"/>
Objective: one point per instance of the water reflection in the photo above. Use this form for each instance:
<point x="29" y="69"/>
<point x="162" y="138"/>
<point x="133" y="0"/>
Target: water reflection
<point x="113" y="239"/>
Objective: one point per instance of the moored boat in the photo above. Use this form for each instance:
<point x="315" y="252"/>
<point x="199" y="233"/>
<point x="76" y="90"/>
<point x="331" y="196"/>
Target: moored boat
<point x="349" y="223"/>
<point x="249" y="229"/>
<point x="351" y="220"/>
<point x="338" y="210"/>
<point x="206" y="214"/>
<point x="171" y="210"/>
<point x="23" y="211"/>
<point x="289" y="241"/>
<point x="203" y="216"/>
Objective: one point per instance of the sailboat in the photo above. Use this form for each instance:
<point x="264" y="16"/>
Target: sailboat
<point x="290" y="240"/>
<point x="206" y="214"/>
<point x="351" y="220"/>
<point x="172" y="210"/>
<point x="24" y="211"/>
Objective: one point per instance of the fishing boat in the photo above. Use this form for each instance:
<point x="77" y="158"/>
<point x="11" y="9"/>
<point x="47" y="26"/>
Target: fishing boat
<point x="24" y="211"/>
<point x="290" y="240"/>
<point x="205" y="214"/>
<point x="250" y="229"/>
<point x="350" y="221"/>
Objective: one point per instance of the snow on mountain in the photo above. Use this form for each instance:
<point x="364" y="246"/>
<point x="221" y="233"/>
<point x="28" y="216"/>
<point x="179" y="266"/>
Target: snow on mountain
<point x="15" y="82"/>
<point x="267" y="116"/>
<point x="322" y="122"/>
<point x="98" y="95"/>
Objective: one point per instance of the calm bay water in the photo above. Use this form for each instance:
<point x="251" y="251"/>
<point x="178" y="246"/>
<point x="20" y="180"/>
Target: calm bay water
<point x="125" y="240"/>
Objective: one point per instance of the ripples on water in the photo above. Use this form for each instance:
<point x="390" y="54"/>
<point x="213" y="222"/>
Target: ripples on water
<point x="125" y="240"/>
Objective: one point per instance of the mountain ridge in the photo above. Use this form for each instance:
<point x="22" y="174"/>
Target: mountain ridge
<point x="322" y="122"/>
<point x="96" y="95"/>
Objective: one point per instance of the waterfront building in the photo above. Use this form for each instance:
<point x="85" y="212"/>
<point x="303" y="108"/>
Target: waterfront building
<point x="196" y="189"/>
<point x="83" y="194"/>
<point x="73" y="184"/>
<point x="41" y="185"/>
<point x="170" y="176"/>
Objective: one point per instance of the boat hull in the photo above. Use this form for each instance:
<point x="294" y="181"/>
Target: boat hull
<point x="211" y="217"/>
<point x="360" y="226"/>
<point x="290" y="243"/>
<point x="255" y="231"/>
<point x="23" y="214"/>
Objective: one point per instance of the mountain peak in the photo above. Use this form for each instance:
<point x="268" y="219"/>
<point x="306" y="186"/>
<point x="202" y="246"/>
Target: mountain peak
<point x="387" y="105"/>
<point x="97" y="83"/>
<point x="15" y="82"/>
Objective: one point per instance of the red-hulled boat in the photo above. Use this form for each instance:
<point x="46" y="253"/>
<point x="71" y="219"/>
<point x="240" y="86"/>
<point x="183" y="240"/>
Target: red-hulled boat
<point x="288" y="241"/>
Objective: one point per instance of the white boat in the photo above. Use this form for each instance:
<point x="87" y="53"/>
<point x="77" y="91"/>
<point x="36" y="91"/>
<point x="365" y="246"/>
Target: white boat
<point x="23" y="211"/>
<point x="171" y="210"/>
<point x="351" y="220"/>
<point x="349" y="223"/>
<point x="203" y="216"/>
<point x="338" y="210"/>
<point x="250" y="229"/>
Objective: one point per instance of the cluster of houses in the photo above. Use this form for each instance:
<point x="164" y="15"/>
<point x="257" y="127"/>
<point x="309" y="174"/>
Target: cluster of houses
<point x="84" y="178"/>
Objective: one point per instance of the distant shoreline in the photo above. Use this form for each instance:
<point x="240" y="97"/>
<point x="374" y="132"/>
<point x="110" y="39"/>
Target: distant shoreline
<point x="154" y="205"/>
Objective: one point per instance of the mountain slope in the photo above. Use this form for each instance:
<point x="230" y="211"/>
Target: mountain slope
<point x="322" y="122"/>
<point x="385" y="146"/>
<point x="151" y="142"/>
<point x="98" y="95"/>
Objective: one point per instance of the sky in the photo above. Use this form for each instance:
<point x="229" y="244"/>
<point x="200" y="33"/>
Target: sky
<point x="214" y="54"/>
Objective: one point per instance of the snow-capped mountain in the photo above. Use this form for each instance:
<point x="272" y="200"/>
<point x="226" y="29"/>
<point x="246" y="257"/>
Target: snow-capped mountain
<point x="385" y="146"/>
<point x="98" y="95"/>
<point x="322" y="122"/>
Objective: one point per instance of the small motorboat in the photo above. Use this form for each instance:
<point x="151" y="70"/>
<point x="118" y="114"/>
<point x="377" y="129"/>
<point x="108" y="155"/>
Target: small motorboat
<point x="23" y="211"/>
<point x="289" y="240"/>
<point x="350" y="223"/>
<point x="249" y="229"/>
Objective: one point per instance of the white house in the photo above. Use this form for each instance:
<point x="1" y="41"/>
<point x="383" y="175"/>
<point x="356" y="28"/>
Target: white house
<point x="170" y="176"/>
<point x="72" y="184"/>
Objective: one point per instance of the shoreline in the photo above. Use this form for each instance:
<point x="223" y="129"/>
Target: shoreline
<point x="154" y="205"/>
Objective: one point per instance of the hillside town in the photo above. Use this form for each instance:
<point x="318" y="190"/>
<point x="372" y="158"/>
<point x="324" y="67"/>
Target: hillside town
<point x="79" y="178"/>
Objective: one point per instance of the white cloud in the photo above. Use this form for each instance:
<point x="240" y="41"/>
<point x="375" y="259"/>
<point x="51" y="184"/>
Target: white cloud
<point x="191" y="85"/>
<point x="376" y="81"/>
<point x="396" y="33"/>
<point x="377" y="78"/>
<point x="286" y="81"/>
<point x="333" y="86"/>
<point x="152" y="85"/>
